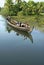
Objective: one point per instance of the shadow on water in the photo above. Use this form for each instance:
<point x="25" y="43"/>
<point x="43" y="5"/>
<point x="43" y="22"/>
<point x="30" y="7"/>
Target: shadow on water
<point x="22" y="33"/>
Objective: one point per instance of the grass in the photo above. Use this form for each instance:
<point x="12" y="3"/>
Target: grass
<point x="31" y="20"/>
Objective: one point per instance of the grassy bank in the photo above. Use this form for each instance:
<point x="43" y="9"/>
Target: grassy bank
<point x="31" y="20"/>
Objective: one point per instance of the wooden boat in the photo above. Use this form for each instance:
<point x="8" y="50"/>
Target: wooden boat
<point x="28" y="29"/>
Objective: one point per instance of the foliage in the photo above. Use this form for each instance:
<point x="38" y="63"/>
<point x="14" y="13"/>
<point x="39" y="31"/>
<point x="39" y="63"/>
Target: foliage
<point x="20" y="13"/>
<point x="22" y="8"/>
<point x="0" y="8"/>
<point x="5" y="11"/>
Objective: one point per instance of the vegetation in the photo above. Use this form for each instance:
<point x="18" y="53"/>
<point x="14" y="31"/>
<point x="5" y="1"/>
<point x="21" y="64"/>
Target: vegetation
<point x="31" y="20"/>
<point x="22" y="8"/>
<point x="0" y="8"/>
<point x="28" y="12"/>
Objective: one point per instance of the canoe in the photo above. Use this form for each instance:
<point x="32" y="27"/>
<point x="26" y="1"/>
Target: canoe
<point x="19" y="28"/>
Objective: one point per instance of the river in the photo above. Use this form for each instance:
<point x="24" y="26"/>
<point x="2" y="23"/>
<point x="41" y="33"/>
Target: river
<point x="20" y="48"/>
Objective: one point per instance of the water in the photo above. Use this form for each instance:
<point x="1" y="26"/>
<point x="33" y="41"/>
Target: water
<point x="19" y="48"/>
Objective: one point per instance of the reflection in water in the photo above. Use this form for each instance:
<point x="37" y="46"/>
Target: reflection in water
<point x="16" y="51"/>
<point x="22" y="33"/>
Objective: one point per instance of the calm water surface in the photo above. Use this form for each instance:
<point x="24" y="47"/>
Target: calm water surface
<point x="19" y="48"/>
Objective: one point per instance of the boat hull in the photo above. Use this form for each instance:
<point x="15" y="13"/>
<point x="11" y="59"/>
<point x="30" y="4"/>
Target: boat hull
<point x="17" y="27"/>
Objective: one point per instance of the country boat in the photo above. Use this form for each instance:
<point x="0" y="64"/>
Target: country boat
<point x="14" y="25"/>
<point x="20" y="28"/>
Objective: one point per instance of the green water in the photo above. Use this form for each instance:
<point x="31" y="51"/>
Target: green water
<point x="21" y="48"/>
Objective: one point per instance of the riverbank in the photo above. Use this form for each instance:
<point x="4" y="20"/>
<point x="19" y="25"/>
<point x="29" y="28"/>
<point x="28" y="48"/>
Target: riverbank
<point x="31" y="20"/>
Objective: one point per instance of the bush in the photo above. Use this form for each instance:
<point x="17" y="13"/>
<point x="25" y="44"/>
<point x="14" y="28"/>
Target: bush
<point x="5" y="11"/>
<point x="20" y="13"/>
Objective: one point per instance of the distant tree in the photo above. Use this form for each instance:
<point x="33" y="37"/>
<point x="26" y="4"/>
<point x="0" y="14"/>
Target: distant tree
<point x="22" y="7"/>
<point x="5" y="11"/>
<point x="0" y="8"/>
<point x="9" y="4"/>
